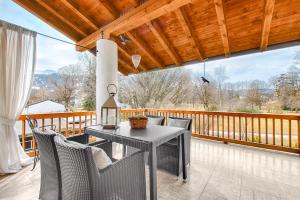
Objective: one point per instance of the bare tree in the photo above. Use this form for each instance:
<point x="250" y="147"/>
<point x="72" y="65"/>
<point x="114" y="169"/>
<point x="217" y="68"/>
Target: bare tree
<point x="220" y="74"/>
<point x="68" y="83"/>
<point x="38" y="95"/>
<point x="87" y="62"/>
<point x="205" y="92"/>
<point x="255" y="95"/>
<point x="152" y="89"/>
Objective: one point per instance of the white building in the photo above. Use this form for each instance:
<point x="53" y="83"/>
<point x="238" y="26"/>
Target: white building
<point x="44" y="107"/>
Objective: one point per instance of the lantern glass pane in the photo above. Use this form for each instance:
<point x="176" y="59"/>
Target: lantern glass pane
<point x="104" y="116"/>
<point x="111" y="116"/>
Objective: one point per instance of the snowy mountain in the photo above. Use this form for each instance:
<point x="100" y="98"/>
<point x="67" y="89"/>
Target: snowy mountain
<point x="44" y="78"/>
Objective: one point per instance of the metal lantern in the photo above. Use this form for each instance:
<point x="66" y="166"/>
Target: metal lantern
<point x="110" y="112"/>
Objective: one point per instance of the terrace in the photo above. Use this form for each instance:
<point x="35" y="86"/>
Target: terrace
<point x="233" y="155"/>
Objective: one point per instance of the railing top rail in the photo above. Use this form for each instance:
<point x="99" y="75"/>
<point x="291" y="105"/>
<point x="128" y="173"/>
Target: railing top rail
<point x="241" y="114"/>
<point x="57" y="115"/>
<point x="232" y="114"/>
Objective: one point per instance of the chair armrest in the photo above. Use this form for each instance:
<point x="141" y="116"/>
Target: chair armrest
<point x="124" y="179"/>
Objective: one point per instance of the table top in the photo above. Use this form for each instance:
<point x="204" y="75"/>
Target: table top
<point x="153" y="134"/>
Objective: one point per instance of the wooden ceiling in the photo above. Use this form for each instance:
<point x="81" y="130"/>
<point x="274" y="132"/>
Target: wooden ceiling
<point x="172" y="32"/>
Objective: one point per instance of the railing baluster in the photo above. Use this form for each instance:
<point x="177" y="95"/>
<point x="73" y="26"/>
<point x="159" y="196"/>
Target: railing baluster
<point x="213" y="125"/>
<point x="246" y="128"/>
<point x="240" y="129"/>
<point x="79" y="125"/>
<point x="85" y="118"/>
<point x="67" y="127"/>
<point x="23" y="134"/>
<point x="194" y="122"/>
<point x="228" y="127"/>
<point x="199" y="123"/>
<point x="208" y="124"/>
<point x="59" y="125"/>
<point x="259" y="131"/>
<point x="290" y="133"/>
<point x="43" y="124"/>
<point x="51" y="123"/>
<point x="273" y="130"/>
<point x="218" y="126"/>
<point x="203" y="124"/>
<point x="233" y="129"/>
<point x="266" y="121"/>
<point x="91" y="119"/>
<point x="222" y="126"/>
<point x="281" y="132"/>
<point x="252" y="129"/>
<point x="73" y="126"/>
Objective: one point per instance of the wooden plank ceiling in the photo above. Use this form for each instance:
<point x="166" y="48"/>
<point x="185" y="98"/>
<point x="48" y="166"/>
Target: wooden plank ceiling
<point x="172" y="32"/>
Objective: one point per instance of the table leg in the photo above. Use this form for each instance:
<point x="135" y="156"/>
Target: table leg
<point x="124" y="150"/>
<point x="183" y="157"/>
<point x="153" y="176"/>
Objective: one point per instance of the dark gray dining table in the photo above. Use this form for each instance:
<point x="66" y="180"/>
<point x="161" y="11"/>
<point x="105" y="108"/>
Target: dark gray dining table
<point x="147" y="139"/>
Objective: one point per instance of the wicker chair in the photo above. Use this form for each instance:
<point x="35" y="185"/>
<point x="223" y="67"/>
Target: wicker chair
<point x="156" y="120"/>
<point x="50" y="187"/>
<point x="169" y="154"/>
<point x="124" y="179"/>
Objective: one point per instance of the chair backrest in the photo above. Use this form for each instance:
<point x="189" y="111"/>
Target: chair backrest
<point x="78" y="170"/>
<point x="156" y="120"/>
<point x="50" y="170"/>
<point x="180" y="122"/>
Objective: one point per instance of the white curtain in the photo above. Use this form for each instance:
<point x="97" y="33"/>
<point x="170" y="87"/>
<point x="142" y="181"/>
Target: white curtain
<point x="17" y="65"/>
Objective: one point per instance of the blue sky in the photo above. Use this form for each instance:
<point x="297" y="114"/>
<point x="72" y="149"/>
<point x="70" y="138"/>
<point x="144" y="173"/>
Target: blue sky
<point x="53" y="54"/>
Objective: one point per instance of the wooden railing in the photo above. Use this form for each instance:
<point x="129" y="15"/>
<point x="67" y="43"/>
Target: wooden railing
<point x="68" y="123"/>
<point x="271" y="131"/>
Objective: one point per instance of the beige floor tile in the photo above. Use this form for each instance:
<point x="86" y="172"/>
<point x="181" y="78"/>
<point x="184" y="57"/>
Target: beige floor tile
<point x="217" y="171"/>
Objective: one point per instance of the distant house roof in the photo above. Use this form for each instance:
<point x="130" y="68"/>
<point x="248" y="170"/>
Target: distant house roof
<point x="44" y="107"/>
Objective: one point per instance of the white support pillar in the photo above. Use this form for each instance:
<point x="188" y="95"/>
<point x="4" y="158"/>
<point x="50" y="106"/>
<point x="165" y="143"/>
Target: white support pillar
<point x="106" y="72"/>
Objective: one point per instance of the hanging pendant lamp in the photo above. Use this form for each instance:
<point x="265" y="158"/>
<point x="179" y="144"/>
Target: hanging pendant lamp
<point x="136" y="59"/>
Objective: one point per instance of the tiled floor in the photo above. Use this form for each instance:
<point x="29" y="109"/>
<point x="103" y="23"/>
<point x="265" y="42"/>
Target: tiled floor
<point x="217" y="171"/>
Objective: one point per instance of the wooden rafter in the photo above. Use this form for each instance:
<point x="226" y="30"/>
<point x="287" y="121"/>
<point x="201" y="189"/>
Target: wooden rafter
<point x="81" y="15"/>
<point x="188" y="29"/>
<point x="222" y="25"/>
<point x="268" y="13"/>
<point x="142" y="45"/>
<point x="31" y="7"/>
<point x="164" y="41"/>
<point x="144" y="13"/>
<point x="62" y="18"/>
<point x="110" y="8"/>
<point x="127" y="66"/>
<point x="122" y="69"/>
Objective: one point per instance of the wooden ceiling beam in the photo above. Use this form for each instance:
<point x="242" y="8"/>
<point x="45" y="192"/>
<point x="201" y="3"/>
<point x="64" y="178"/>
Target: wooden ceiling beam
<point x="164" y="41"/>
<point x="32" y="8"/>
<point x="268" y="14"/>
<point x="62" y="18"/>
<point x="188" y="29"/>
<point x="138" y="16"/>
<point x="143" y="46"/>
<point x="222" y="25"/>
<point x="110" y="8"/>
<point x="122" y="69"/>
<point x="78" y="13"/>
